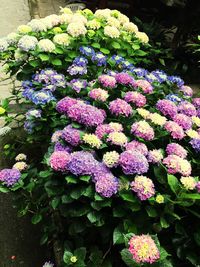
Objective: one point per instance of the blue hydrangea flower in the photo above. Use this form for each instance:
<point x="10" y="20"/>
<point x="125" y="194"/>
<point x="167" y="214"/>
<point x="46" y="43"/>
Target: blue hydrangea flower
<point x="42" y="97"/>
<point x="117" y="59"/>
<point x="174" y="98"/>
<point x="29" y="125"/>
<point x="80" y="61"/>
<point x="177" y="80"/>
<point x="100" y="58"/>
<point x="87" y="50"/>
<point x="140" y="72"/>
<point x="33" y="113"/>
<point x="27" y="84"/>
<point x="161" y="75"/>
<point x="126" y="64"/>
<point x="74" y="70"/>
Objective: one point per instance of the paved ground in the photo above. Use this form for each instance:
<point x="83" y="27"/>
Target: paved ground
<point x="43" y="8"/>
<point x="18" y="237"/>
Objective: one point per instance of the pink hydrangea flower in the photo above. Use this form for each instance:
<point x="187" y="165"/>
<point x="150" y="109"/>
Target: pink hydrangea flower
<point x="107" y="81"/>
<point x="167" y="107"/>
<point x="99" y="94"/>
<point x="59" y="160"/>
<point x="120" y="107"/>
<point x="176" y="149"/>
<point x="143" y="187"/>
<point x="187" y="90"/>
<point x="143" y="249"/>
<point x="184" y="121"/>
<point x="146" y="87"/>
<point x="187" y="108"/>
<point x="136" y="145"/>
<point x="143" y="130"/>
<point x="176" y="164"/>
<point x="175" y="130"/>
<point x="124" y="78"/>
<point x="136" y="98"/>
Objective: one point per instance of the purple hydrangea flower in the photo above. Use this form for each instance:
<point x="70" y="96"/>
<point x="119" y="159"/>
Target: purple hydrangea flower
<point x="64" y="104"/>
<point x="107" y="185"/>
<point x="78" y="84"/>
<point x="167" y="107"/>
<point x="133" y="162"/>
<point x="71" y="135"/>
<point x="10" y="176"/>
<point x="187" y="108"/>
<point x="60" y="147"/>
<point x="195" y="144"/>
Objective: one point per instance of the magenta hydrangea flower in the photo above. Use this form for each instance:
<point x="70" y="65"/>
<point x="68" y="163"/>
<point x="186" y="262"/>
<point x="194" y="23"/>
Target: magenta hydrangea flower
<point x="124" y="78"/>
<point x="107" y="185"/>
<point x="82" y="163"/>
<point x="107" y="81"/>
<point x="136" y="98"/>
<point x="187" y="108"/>
<point x="86" y="114"/>
<point x="9" y="176"/>
<point x="143" y="187"/>
<point x="143" y="249"/>
<point x="184" y="121"/>
<point x="71" y="135"/>
<point x="59" y="160"/>
<point x="167" y="107"/>
<point x="175" y="130"/>
<point x="176" y="149"/>
<point x="64" y="104"/>
<point x="136" y="145"/>
<point x="133" y="162"/>
<point x="187" y="90"/>
<point x="143" y="130"/>
<point x="99" y="94"/>
<point x="120" y="107"/>
<point x="146" y="87"/>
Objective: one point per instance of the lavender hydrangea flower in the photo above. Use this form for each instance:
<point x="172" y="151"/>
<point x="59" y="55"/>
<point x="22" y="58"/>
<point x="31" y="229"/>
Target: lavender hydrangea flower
<point x="82" y="163"/>
<point x="10" y="176"/>
<point x="75" y="69"/>
<point x="60" y="147"/>
<point x="78" y="84"/>
<point x="133" y="162"/>
<point x="33" y="113"/>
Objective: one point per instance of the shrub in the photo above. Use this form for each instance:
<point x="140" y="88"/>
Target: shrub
<point x="112" y="166"/>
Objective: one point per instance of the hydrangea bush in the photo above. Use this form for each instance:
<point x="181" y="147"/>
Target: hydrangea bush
<point x="112" y="164"/>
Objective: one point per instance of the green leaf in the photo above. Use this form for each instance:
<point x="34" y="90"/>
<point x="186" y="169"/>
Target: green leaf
<point x="118" y="237"/>
<point x="67" y="256"/>
<point x="162" y="61"/>
<point x="128" y="196"/>
<point x="80" y="253"/>
<point x="66" y="199"/>
<point x="43" y="57"/>
<point x="92" y="217"/>
<point x="151" y="211"/>
<point x="105" y="51"/>
<point x="85" y="178"/>
<point x="77" y="192"/>
<point x="59" y="50"/>
<point x="135" y="46"/>
<point x="71" y="179"/>
<point x="96" y="45"/>
<point x="190" y="196"/>
<point x="36" y="218"/>
<point x="128" y="258"/>
<point x="4" y="189"/>
<point x="160" y="173"/>
<point x="163" y="222"/>
<point x="173" y="183"/>
<point x="34" y="63"/>
<point x="45" y="174"/>
<point x="56" y="62"/>
<point x="116" y="45"/>
<point x="140" y="53"/>
<point x="55" y="202"/>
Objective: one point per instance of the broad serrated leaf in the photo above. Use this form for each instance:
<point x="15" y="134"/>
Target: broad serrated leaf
<point x="173" y="183"/>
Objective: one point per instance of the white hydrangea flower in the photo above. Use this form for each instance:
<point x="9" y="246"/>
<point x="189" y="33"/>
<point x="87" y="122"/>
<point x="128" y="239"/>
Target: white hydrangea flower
<point x="24" y="29"/>
<point x="65" y="18"/>
<point x="37" y="25"/>
<point x="51" y="21"/>
<point x="27" y="43"/>
<point x="21" y="166"/>
<point x="4" y="130"/>
<point x="102" y="13"/>
<point x="20" y="55"/>
<point x="142" y="36"/>
<point x="12" y="38"/>
<point x="111" y="21"/>
<point x="130" y="27"/>
<point x="76" y="29"/>
<point x="123" y="18"/>
<point x="111" y="31"/>
<point x="79" y="18"/>
<point x="188" y="182"/>
<point x="46" y="45"/>
<point x="21" y="157"/>
<point x="110" y="159"/>
<point x="62" y="39"/>
<point x="3" y="44"/>
<point x="93" y="24"/>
